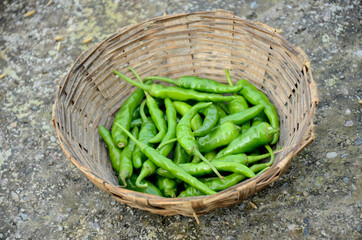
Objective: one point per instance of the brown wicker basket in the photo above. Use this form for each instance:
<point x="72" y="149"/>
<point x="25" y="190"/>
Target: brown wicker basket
<point x="201" y="44"/>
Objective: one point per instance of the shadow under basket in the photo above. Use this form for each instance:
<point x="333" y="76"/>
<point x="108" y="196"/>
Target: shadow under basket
<point x="203" y="44"/>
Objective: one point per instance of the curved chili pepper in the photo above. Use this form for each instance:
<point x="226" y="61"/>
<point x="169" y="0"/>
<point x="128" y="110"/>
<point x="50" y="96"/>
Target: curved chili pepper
<point x="156" y="114"/>
<point x="185" y="136"/>
<point x="167" y="164"/>
<point x="113" y="150"/>
<point x="176" y="93"/>
<point x="199" y="84"/>
<point x="164" y="173"/>
<point x="238" y="104"/>
<point x="255" y="137"/>
<point x="228" y="181"/>
<point x="211" y="118"/>
<point x="167" y="186"/>
<point x="182" y="108"/>
<point x="124" y="117"/>
<point x="148" y="168"/>
<point x="223" y="105"/>
<point x="218" y="137"/>
<point x="243" y="116"/>
<point x="201" y="169"/>
<point x="148" y="131"/>
<point x="126" y="165"/>
<point x="180" y="155"/>
<point x="222" y="113"/>
<point x="256" y="97"/>
<point x="136" y="122"/>
<point x="150" y="189"/>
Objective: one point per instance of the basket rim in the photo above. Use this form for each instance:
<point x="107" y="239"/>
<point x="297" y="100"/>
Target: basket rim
<point x="255" y="183"/>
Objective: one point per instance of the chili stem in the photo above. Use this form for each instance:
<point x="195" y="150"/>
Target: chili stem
<point x="165" y="143"/>
<point x="198" y="154"/>
<point x="228" y="77"/>
<point x="135" y="83"/>
<point x="163" y="79"/>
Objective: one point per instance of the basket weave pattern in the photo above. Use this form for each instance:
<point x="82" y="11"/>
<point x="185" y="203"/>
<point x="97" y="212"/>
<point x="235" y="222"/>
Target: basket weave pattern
<point x="201" y="44"/>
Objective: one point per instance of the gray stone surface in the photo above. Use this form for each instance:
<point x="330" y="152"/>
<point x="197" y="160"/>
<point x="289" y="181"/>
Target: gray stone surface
<point x="43" y="196"/>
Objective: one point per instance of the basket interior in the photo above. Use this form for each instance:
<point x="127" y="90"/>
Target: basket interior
<point x="201" y="44"/>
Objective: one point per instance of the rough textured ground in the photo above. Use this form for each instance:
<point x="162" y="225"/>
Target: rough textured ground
<point x="43" y="196"/>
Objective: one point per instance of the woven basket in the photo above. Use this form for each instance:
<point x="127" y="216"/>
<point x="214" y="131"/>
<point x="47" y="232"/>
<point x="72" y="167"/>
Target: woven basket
<point x="201" y="44"/>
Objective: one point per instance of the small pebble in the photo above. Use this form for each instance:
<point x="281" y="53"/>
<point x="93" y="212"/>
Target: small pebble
<point x="291" y="227"/>
<point x="345" y="179"/>
<point x="331" y="155"/>
<point x="24" y="216"/>
<point x="348" y="123"/>
<point x="347" y="112"/>
<point x="358" y="141"/>
<point x="327" y="16"/>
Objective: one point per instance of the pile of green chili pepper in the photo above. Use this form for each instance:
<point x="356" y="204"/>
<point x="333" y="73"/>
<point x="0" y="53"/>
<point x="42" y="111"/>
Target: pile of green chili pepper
<point x="196" y="138"/>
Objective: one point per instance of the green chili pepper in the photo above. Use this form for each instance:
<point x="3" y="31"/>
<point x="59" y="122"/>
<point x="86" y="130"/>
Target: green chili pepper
<point x="200" y="169"/>
<point x="224" y="106"/>
<point x="167" y="164"/>
<point x="136" y="122"/>
<point x="218" y="137"/>
<point x="150" y="189"/>
<point x="261" y="117"/>
<point x="113" y="150"/>
<point x="185" y="136"/>
<point x="167" y="186"/>
<point x="176" y="93"/>
<point x="126" y="165"/>
<point x="164" y="173"/>
<point x="180" y="155"/>
<point x="242" y="158"/>
<point x="199" y="84"/>
<point x="238" y="104"/>
<point x="210" y="155"/>
<point x="228" y="181"/>
<point x="124" y="117"/>
<point x="222" y="113"/>
<point x="211" y="118"/>
<point x="156" y="114"/>
<point x="196" y="159"/>
<point x="147" y="132"/>
<point x="243" y="116"/>
<point x="256" y="97"/>
<point x="255" y="137"/>
<point x="148" y="168"/>
<point x="182" y="108"/>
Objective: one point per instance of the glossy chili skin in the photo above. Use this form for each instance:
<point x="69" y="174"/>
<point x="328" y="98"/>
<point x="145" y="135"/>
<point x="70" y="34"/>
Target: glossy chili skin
<point x="124" y="117"/>
<point x="218" y="137"/>
<point x="182" y="108"/>
<point x="238" y="104"/>
<point x="158" y="119"/>
<point x="210" y="155"/>
<point x="148" y="168"/>
<point x="126" y="164"/>
<point x="255" y="137"/>
<point x="150" y="189"/>
<point x="180" y="155"/>
<point x="167" y="186"/>
<point x="222" y="113"/>
<point x="242" y="158"/>
<point x="147" y="132"/>
<point x="256" y="97"/>
<point x="177" y="93"/>
<point x="228" y="181"/>
<point x="201" y="169"/>
<point x="211" y="118"/>
<point x="243" y="116"/>
<point x="113" y="150"/>
<point x="199" y="84"/>
<point x="168" y="165"/>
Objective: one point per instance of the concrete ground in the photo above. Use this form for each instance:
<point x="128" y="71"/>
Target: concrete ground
<point x="43" y="196"/>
